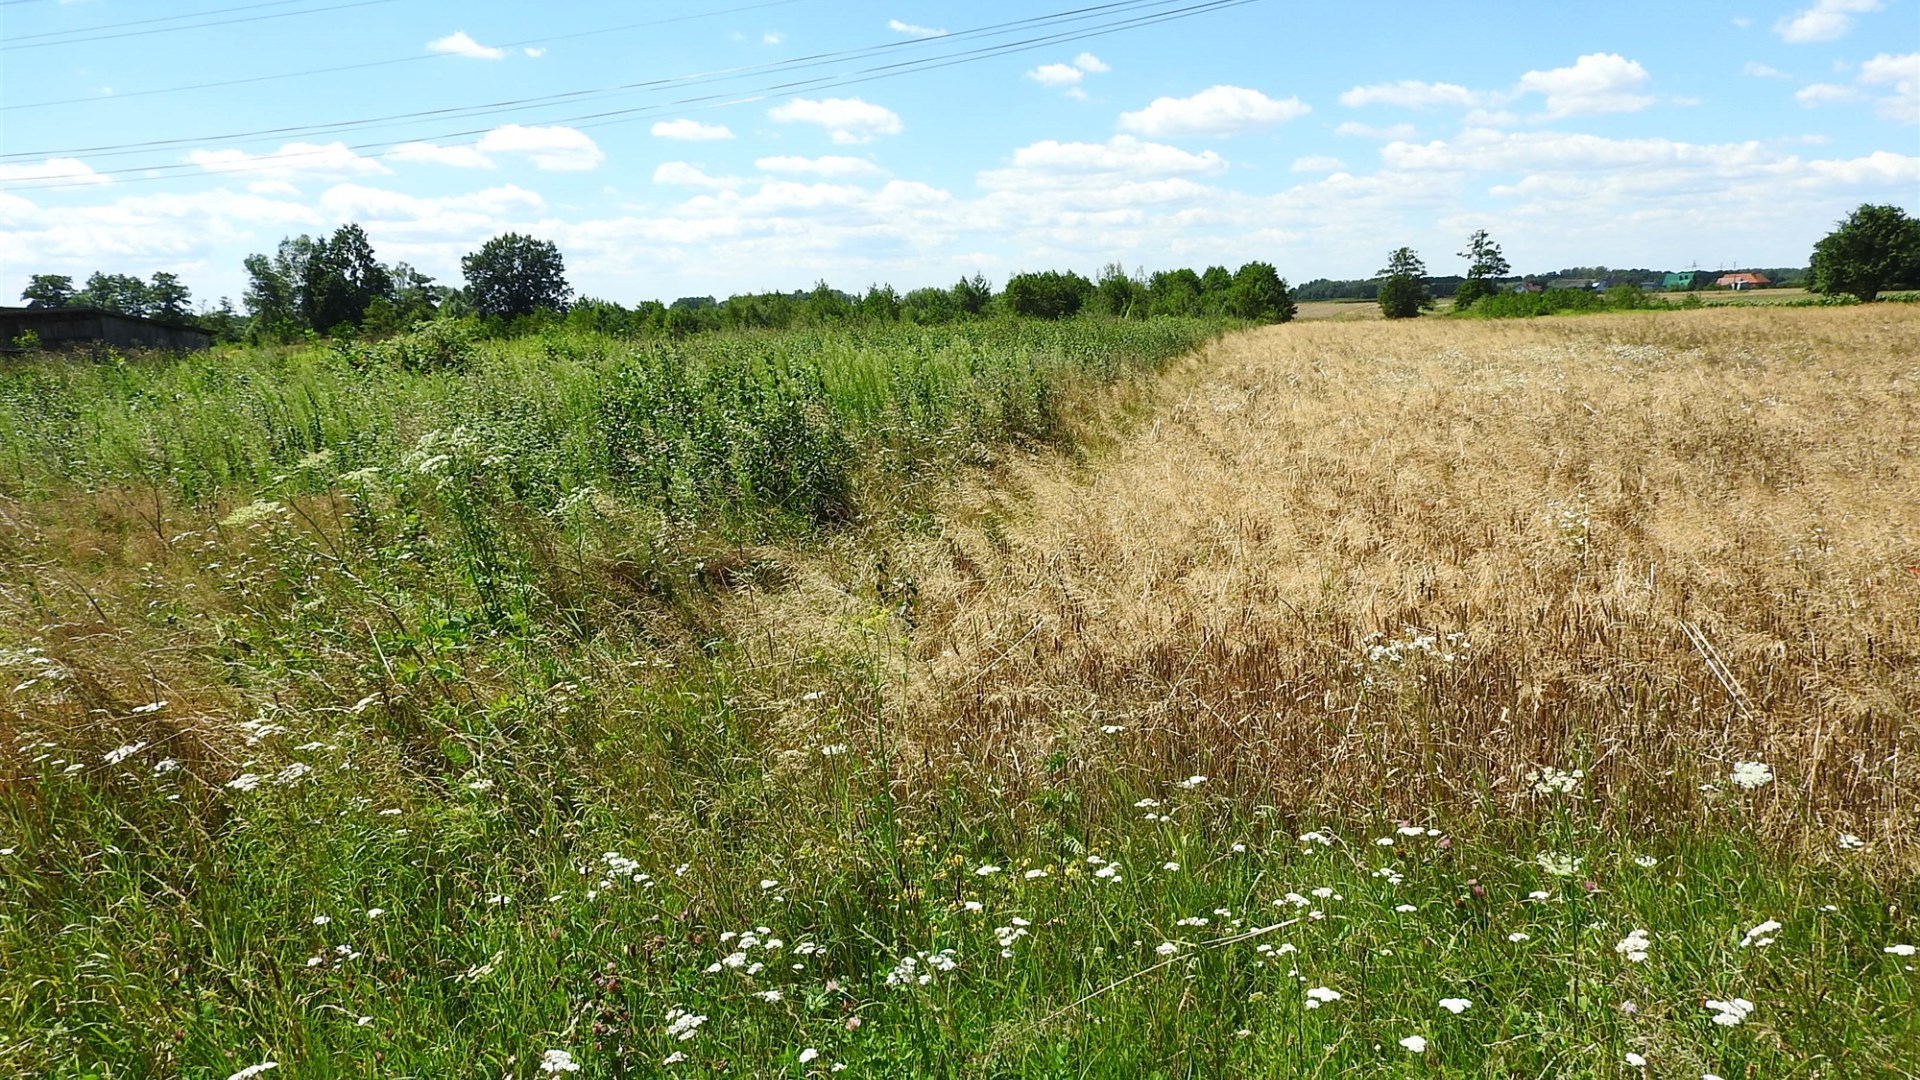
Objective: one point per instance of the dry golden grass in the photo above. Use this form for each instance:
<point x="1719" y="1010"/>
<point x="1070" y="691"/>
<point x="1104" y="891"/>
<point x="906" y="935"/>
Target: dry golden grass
<point x="1211" y="584"/>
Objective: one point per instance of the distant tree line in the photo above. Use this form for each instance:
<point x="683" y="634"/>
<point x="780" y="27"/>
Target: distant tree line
<point x="164" y="297"/>
<point x="335" y="286"/>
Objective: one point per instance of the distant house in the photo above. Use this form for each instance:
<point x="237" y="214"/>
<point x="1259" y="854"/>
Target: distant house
<point x="1529" y="287"/>
<point x="1683" y="282"/>
<point x="1742" y="281"/>
<point x="1577" y="283"/>
<point x="67" y="327"/>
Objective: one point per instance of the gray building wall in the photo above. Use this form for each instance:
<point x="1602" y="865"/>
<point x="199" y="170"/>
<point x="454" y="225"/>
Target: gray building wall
<point x="65" y="327"/>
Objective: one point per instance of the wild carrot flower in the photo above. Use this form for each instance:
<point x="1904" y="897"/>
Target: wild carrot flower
<point x="1750" y="775"/>
<point x="1415" y="1043"/>
<point x="1517" y="937"/>
<point x="1557" y="864"/>
<point x="1551" y="781"/>
<point x="555" y="1062"/>
<point x="1321" y="995"/>
<point x="1634" y="947"/>
<point x="1456" y="1006"/>
<point x="1760" y="936"/>
<point x="1166" y="948"/>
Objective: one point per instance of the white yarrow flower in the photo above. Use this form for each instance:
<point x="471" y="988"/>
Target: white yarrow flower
<point x="1415" y="1043"/>
<point x="1456" y="1006"/>
<point x="1634" y="946"/>
<point x="1750" y="774"/>
<point x="1730" y="1013"/>
<point x="1760" y="936"/>
<point x="555" y="1062"/>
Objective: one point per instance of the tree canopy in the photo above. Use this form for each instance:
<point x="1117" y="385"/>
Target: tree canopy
<point x="1485" y="265"/>
<point x="1403" y="288"/>
<point x="514" y="275"/>
<point x="1874" y="248"/>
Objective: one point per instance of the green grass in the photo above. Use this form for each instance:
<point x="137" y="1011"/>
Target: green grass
<point x="142" y="942"/>
<point x="291" y="638"/>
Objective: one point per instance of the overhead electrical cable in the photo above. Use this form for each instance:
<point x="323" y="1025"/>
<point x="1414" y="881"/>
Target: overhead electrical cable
<point x="195" y="26"/>
<point x="362" y="66"/>
<point x="275" y="162"/>
<point x="157" y="19"/>
<point x="520" y="104"/>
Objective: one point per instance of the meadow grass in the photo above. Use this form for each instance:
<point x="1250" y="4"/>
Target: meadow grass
<point x="966" y="703"/>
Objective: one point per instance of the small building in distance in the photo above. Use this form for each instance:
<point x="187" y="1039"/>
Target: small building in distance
<point x="1578" y="284"/>
<point x="1739" y="282"/>
<point x="1685" y="281"/>
<point x="66" y="327"/>
<point x="1530" y="287"/>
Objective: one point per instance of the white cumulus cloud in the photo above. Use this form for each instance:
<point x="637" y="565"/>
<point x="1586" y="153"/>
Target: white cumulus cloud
<point x="334" y="159"/>
<point x="848" y="121"/>
<point x="691" y="131"/>
<point x="1050" y="164"/>
<point x="1596" y="83"/>
<point x="53" y="172"/>
<point x="1412" y="94"/>
<point x="459" y="44"/>
<point x="687" y="174"/>
<point x="1375" y="131"/>
<point x="1069" y="75"/>
<point x="1819" y="94"/>
<point x="458" y="157"/>
<point x="1218" y="111"/>
<point x="1056" y="75"/>
<point x="911" y="30"/>
<point x="829" y="165"/>
<point x="553" y="149"/>
<point x="1826" y="20"/>
<point x="1902" y="74"/>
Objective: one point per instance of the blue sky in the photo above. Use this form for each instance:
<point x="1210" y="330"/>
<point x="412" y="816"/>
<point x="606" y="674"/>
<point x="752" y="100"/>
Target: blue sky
<point x="680" y="158"/>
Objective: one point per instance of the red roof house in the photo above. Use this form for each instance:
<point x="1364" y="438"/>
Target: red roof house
<point x="1743" y="281"/>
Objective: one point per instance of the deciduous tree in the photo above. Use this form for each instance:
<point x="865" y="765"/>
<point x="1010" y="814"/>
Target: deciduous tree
<point x="515" y="275"/>
<point x="48" y="291"/>
<point x="1485" y="265"/>
<point x="1403" y="285"/>
<point x="1875" y="247"/>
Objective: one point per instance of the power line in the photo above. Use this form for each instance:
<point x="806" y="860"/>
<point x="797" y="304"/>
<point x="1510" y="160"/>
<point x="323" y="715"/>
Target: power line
<point x="609" y="117"/>
<point x="521" y="104"/>
<point x="160" y="19"/>
<point x="414" y="59"/>
<point x="195" y="26"/>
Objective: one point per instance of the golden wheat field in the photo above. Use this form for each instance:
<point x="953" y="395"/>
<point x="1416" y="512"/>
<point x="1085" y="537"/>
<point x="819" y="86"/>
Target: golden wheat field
<point x="1355" y="564"/>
